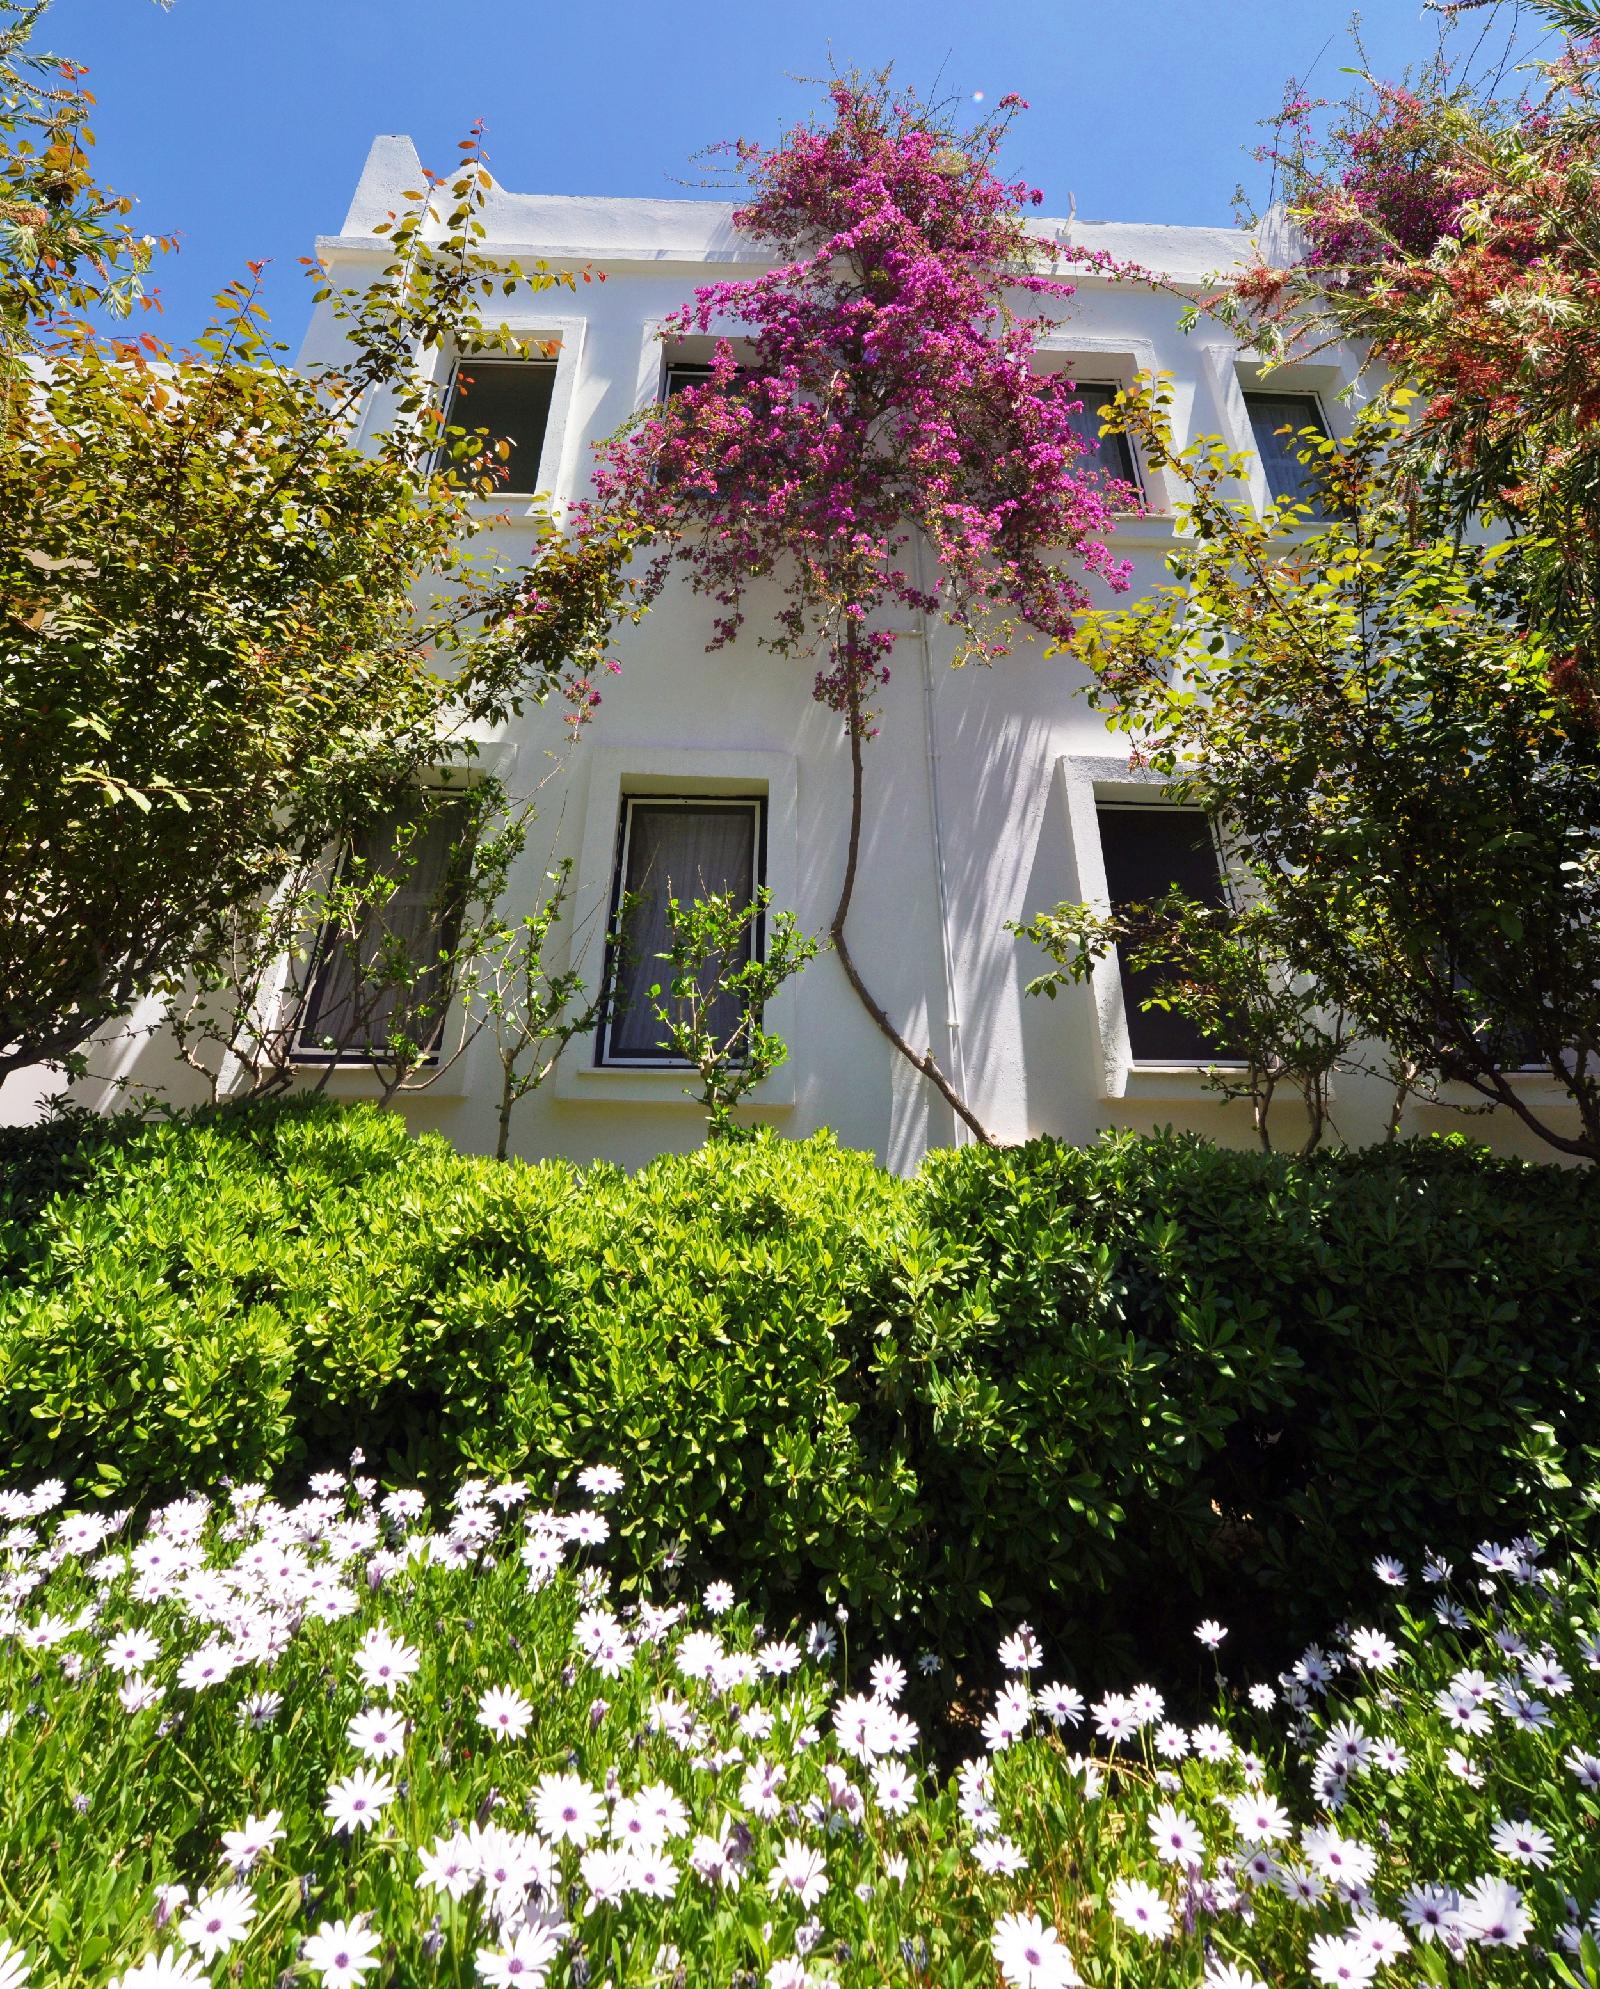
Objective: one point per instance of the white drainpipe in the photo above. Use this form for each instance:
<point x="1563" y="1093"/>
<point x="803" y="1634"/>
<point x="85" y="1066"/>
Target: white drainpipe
<point x="956" y="1060"/>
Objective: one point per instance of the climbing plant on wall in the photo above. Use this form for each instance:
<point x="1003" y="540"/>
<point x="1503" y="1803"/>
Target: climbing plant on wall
<point x="880" y="402"/>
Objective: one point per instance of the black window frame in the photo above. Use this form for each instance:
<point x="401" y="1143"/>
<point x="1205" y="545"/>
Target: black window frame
<point x="1138" y="1021"/>
<point x="1313" y="498"/>
<point x="755" y="805"/>
<point x="446" y="933"/>
<point x="676" y="374"/>
<point x="1134" y="477"/>
<point x="466" y="361"/>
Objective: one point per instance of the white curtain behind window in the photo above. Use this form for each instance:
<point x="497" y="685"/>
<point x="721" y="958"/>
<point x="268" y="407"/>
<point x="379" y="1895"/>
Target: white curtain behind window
<point x="683" y="852"/>
<point x="347" y="1010"/>
<point x="1275" y="422"/>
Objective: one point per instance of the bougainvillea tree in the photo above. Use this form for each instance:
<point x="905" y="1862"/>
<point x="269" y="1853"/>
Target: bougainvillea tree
<point x="880" y="407"/>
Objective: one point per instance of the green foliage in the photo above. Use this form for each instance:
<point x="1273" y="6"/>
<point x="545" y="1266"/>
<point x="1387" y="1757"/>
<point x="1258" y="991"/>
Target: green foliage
<point x="237" y="617"/>
<point x="1094" y="1385"/>
<point x="65" y="242"/>
<point x="724" y="964"/>
<point x="1391" y="1344"/>
<point x="1226" y="968"/>
<point x="1395" y="771"/>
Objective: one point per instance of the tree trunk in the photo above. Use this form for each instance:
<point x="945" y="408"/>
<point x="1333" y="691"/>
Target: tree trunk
<point x="502" y="1140"/>
<point x="924" y="1062"/>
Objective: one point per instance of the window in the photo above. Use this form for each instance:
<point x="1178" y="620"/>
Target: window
<point x="679" y="847"/>
<point x="1111" y="453"/>
<point x="1513" y="1050"/>
<point x="1287" y="476"/>
<point x="1148" y="850"/>
<point x="348" y="1012"/>
<point x="511" y="399"/>
<point x="683" y="373"/>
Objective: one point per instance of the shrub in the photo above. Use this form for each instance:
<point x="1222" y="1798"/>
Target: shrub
<point x="1360" y="1349"/>
<point x="1108" y="1385"/>
<point x="261" y="1736"/>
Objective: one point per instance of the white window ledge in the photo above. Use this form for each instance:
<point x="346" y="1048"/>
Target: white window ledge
<point x="650" y="1084"/>
<point x="1144" y="528"/>
<point x="1178" y="1082"/>
<point x="356" y="1081"/>
<point x="1536" y="1088"/>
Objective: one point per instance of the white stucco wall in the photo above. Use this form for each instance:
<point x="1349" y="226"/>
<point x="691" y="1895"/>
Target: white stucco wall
<point x="1013" y="753"/>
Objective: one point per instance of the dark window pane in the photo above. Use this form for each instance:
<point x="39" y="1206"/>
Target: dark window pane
<point x="1111" y="453"/>
<point x="1287" y="476"/>
<point x="349" y="1009"/>
<point x="1518" y="1049"/>
<point x="683" y="851"/>
<point x="510" y="398"/>
<point x="1148" y="851"/>
<point x="681" y="374"/>
<point x="1511" y="1048"/>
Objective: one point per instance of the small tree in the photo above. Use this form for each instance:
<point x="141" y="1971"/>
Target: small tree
<point x="1399" y="777"/>
<point x="1227" y="969"/>
<point x="1396" y="726"/>
<point x="715" y="992"/>
<point x="888" y="404"/>
<point x="532" y="1013"/>
<point x="229" y="633"/>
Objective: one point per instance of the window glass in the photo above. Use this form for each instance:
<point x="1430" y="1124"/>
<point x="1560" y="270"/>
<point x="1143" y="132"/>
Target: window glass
<point x="511" y="399"/>
<point x="672" y="849"/>
<point x="349" y="1011"/>
<point x="1512" y="1049"/>
<point x="1147" y="851"/>
<point x="1111" y="453"/>
<point x="682" y="373"/>
<point x="1287" y="476"/>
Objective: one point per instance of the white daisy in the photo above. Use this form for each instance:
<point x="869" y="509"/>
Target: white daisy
<point x="355" y="1802"/>
<point x="341" y="1952"/>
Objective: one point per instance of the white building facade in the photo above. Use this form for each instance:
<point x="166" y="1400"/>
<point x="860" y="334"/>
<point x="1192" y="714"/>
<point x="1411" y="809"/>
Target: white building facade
<point x="990" y="794"/>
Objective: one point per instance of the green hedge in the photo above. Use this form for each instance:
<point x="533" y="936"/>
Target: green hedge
<point x="1104" y="1386"/>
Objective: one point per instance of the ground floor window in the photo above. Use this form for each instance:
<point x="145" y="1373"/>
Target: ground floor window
<point x="383" y="973"/>
<point x="1149" y="849"/>
<point x="682" y="847"/>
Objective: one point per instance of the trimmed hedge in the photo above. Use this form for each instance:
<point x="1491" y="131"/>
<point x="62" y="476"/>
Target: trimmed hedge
<point x="1124" y="1381"/>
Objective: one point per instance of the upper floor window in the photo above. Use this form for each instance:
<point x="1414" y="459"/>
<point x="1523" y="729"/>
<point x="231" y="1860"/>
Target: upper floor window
<point x="511" y="399"/>
<point x="1149" y="850"/>
<point x="1276" y="421"/>
<point x="683" y="373"/>
<point x="1111" y="453"/>
<point x="672" y="847"/>
<point x="385" y="974"/>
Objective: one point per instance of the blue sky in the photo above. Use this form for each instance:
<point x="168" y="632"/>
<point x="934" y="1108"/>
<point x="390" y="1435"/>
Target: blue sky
<point x="242" y="126"/>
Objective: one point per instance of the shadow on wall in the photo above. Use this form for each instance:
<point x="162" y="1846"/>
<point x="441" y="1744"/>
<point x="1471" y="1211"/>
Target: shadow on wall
<point x="1008" y="852"/>
<point x="861" y="1086"/>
